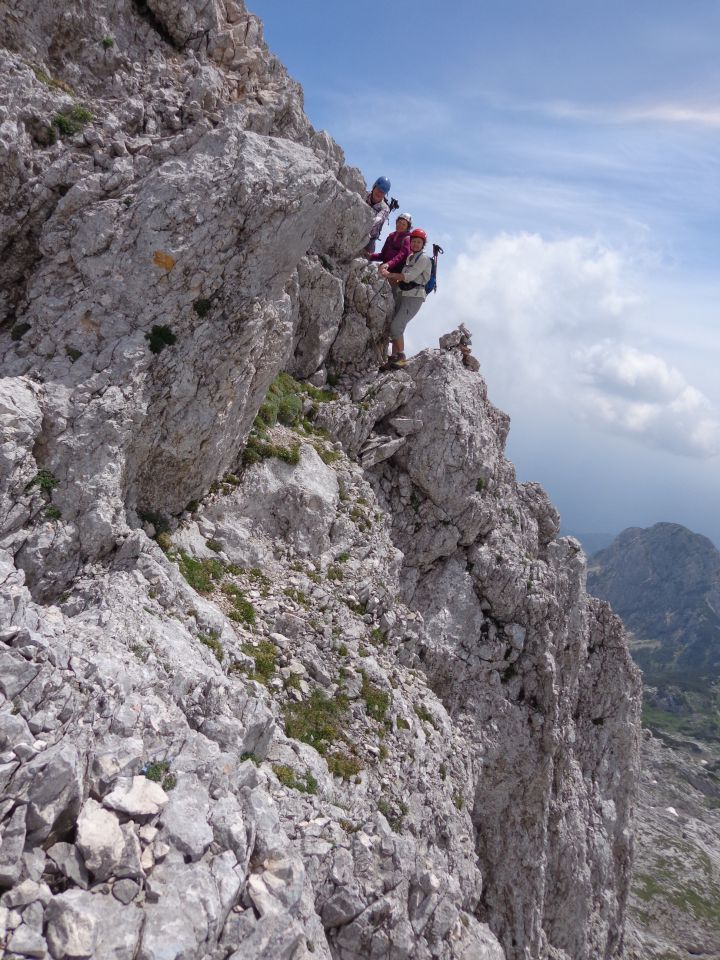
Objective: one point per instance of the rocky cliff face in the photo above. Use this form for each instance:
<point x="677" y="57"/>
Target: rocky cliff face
<point x="329" y="687"/>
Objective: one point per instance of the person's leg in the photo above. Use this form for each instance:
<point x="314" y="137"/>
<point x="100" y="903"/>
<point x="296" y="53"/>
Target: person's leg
<point x="408" y="308"/>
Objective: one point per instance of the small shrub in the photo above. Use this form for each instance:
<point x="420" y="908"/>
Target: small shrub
<point x="383" y="754"/>
<point x="363" y="651"/>
<point x="458" y="800"/>
<point x="73" y="353"/>
<point x="159" y="337"/>
<point x="335" y="573"/>
<point x="19" y="331"/>
<point x="442" y="770"/>
<point x="344" y="557"/>
<point x="52" y="513"/>
<point x="265" y="657"/>
<point x="214" y="545"/>
<point x="212" y="642"/>
<point x="401" y="723"/>
<point x="202" y="307"/>
<point x="343" y="650"/>
<point x="200" y="574"/>
<point x="45" y="480"/>
<point x="232" y="479"/>
<point x="108" y="43"/>
<point x="480" y="485"/>
<point x="251" y="757"/>
<point x="72" y="121"/>
<point x="158" y="771"/>
<point x="377" y="637"/>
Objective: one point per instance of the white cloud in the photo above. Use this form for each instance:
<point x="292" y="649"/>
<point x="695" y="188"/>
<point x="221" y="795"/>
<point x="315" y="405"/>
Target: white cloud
<point x="554" y="320"/>
<point x="639" y="395"/>
<point x="694" y="114"/>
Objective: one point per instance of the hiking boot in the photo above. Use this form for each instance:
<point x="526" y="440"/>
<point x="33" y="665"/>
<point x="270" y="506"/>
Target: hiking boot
<point x="388" y="362"/>
<point x="397" y="362"/>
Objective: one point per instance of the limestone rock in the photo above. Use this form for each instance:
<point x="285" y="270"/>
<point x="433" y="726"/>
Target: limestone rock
<point x="99" y="839"/>
<point x="137" y="797"/>
<point x="71" y="930"/>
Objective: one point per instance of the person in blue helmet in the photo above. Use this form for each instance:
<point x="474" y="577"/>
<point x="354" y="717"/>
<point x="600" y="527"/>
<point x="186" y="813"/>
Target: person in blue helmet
<point x="376" y="199"/>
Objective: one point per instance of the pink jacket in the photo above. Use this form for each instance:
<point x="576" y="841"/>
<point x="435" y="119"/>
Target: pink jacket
<point x="395" y="251"/>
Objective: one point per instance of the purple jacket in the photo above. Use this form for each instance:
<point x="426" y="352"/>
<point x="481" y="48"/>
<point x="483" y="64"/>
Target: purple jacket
<point x="395" y="251"/>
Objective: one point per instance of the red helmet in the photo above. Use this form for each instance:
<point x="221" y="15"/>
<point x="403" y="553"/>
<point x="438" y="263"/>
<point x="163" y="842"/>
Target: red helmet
<point x="417" y="232"/>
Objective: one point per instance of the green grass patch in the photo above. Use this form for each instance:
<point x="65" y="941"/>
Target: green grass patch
<point x="265" y="657"/>
<point x="286" y="776"/>
<point x="19" y="331"/>
<point x="202" y="575"/>
<point x="244" y="611"/>
<point x="212" y="642"/>
<point x="376" y="700"/>
<point x="317" y="721"/>
<point x="258" y="449"/>
<point x="344" y="766"/>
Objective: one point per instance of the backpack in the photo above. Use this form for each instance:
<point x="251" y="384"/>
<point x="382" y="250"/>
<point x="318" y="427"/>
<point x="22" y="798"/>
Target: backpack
<point x="431" y="285"/>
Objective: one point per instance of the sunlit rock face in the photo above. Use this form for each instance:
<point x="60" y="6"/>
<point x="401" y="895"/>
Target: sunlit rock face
<point x="336" y="676"/>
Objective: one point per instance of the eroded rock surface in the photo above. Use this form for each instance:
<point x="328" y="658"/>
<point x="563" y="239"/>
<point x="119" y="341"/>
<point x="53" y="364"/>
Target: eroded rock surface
<point x="340" y="682"/>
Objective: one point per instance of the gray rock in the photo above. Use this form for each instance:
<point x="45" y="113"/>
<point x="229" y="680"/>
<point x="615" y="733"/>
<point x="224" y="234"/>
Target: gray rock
<point x="125" y="890"/>
<point x="72" y="931"/>
<point x="27" y="943"/>
<point x="12" y="842"/>
<point x="53" y="785"/>
<point x="137" y="797"/>
<point x="100" y="840"/>
<point x="69" y="862"/>
<point x="185" y="819"/>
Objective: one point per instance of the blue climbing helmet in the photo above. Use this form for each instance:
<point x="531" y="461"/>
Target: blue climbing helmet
<point x="383" y="184"/>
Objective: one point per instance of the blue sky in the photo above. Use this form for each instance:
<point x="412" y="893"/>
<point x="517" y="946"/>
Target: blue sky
<point x="565" y="154"/>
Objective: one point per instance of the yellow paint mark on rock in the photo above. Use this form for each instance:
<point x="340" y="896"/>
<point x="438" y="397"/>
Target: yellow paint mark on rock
<point x="164" y="260"/>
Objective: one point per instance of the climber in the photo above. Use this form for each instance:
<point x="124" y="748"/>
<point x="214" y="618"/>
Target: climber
<point x="376" y="199"/>
<point x="411" y="284"/>
<point x="396" y="248"/>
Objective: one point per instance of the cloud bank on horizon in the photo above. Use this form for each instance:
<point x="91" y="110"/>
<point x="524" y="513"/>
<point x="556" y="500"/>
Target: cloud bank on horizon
<point x="555" y="317"/>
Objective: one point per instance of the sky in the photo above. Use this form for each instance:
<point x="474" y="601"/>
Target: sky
<point x="566" y="155"/>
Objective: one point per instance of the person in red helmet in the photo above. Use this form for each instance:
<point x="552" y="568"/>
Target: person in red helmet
<point x="411" y="286"/>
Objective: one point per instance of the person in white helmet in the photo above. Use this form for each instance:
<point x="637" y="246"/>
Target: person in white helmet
<point x="396" y="248"/>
